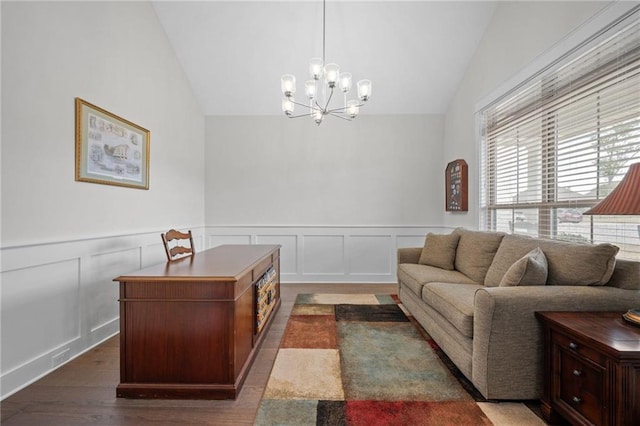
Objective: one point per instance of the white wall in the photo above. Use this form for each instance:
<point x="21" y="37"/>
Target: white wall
<point x="114" y="55"/>
<point x="376" y="170"/>
<point x="518" y="33"/>
<point x="64" y="241"/>
<point x="339" y="198"/>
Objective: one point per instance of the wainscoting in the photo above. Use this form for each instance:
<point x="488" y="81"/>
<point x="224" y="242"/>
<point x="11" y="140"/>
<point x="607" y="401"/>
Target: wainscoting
<point x="59" y="299"/>
<point x="346" y="254"/>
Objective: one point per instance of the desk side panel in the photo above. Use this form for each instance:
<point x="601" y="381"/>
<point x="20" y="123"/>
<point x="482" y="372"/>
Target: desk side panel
<point x="243" y="330"/>
<point x="175" y="340"/>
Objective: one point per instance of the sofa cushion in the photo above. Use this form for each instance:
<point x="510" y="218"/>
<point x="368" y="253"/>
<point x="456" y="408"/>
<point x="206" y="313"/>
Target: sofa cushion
<point x="475" y="252"/>
<point x="531" y="269"/>
<point x="415" y="276"/>
<point x="569" y="263"/>
<point x="454" y="302"/>
<point x="440" y="250"/>
<point x="626" y="275"/>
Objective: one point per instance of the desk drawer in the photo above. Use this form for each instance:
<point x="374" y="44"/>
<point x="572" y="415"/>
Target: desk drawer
<point x="261" y="268"/>
<point x="581" y="386"/>
<point x="578" y="348"/>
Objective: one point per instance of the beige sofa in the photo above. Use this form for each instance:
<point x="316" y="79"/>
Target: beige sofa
<point x="490" y="331"/>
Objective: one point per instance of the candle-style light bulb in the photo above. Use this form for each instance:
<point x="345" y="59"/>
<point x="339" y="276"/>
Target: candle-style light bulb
<point x="353" y="108"/>
<point x="345" y="81"/>
<point x="288" y="84"/>
<point x="331" y="74"/>
<point x="315" y="68"/>
<point x="288" y="105"/>
<point x="364" y="90"/>
<point x="310" y="89"/>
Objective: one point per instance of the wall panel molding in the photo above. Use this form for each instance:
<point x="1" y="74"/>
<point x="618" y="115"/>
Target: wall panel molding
<point x="330" y="254"/>
<point x="84" y="311"/>
<point x="59" y="299"/>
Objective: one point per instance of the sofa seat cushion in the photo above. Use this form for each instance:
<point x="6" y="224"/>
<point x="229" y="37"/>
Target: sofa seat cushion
<point x="569" y="263"/>
<point x="454" y="302"/>
<point x="415" y="276"/>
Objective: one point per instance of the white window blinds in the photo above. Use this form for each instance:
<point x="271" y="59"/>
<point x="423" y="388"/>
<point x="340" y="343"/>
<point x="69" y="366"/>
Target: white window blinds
<point x="563" y="140"/>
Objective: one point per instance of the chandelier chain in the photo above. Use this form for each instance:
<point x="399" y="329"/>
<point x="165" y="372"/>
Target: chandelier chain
<point x="324" y="29"/>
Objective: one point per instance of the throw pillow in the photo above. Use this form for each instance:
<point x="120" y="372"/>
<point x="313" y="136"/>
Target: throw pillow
<point x="531" y="269"/>
<point x="439" y="250"/>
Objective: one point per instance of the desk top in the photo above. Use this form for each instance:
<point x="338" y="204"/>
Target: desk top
<point x="605" y="330"/>
<point x="222" y="263"/>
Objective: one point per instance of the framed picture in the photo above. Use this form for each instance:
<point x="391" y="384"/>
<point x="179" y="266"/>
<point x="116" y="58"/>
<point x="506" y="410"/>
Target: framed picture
<point x="456" y="186"/>
<point x="109" y="149"/>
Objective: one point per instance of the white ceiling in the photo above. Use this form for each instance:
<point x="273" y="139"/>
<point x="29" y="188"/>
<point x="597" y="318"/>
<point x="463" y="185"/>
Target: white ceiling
<point x="234" y="52"/>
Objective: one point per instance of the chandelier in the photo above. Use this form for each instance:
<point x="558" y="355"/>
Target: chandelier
<point x="324" y="79"/>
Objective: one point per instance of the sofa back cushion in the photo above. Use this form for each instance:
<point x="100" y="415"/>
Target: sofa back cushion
<point x="475" y="252"/>
<point x="569" y="263"/>
<point x="626" y="275"/>
<point x="440" y="250"/>
<point x="532" y="269"/>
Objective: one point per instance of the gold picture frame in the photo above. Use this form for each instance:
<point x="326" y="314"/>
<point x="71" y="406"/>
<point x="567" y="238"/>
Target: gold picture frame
<point x="109" y="149"/>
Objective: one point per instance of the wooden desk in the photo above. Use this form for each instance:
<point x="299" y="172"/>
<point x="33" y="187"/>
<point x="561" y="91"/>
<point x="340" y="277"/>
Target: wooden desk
<point x="188" y="328"/>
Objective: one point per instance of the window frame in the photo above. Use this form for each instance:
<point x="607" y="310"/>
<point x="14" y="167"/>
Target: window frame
<point x="549" y="102"/>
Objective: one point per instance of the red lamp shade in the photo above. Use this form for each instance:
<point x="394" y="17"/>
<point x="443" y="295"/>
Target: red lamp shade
<point x="624" y="199"/>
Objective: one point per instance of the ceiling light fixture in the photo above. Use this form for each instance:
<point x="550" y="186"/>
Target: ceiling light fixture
<point x="324" y="78"/>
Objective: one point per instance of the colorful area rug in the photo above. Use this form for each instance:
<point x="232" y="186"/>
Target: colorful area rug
<point x="359" y="360"/>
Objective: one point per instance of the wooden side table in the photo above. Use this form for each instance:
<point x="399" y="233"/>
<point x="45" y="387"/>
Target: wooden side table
<point x="591" y="368"/>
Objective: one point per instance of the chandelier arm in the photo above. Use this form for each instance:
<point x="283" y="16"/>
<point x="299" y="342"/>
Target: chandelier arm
<point x="306" y="106"/>
<point x="298" y="116"/>
<point x="339" y="116"/>
<point x="337" y="110"/>
<point x="344" y="108"/>
<point x="326" y="107"/>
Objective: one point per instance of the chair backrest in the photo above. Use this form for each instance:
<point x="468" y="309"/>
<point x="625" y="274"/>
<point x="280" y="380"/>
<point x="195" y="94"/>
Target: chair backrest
<point x="179" y="249"/>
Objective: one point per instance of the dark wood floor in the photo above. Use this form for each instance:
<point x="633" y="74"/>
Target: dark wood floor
<point x="82" y="392"/>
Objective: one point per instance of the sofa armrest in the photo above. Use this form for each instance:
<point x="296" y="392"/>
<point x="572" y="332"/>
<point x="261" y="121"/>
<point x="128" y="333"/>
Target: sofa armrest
<point x="507" y="337"/>
<point x="409" y="255"/>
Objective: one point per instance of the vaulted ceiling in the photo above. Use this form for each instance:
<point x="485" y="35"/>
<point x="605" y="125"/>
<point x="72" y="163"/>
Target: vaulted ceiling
<point x="234" y="52"/>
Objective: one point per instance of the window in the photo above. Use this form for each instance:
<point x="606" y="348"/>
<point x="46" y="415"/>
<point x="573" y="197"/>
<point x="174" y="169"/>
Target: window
<point x="559" y="143"/>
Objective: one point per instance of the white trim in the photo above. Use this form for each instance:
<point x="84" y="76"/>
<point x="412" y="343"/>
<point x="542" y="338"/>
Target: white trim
<point x="479" y="157"/>
<point x="40" y="243"/>
<point x="20" y="377"/>
<point x="293" y="241"/>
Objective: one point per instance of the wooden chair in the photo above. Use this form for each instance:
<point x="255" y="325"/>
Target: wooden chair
<point x="179" y="249"/>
